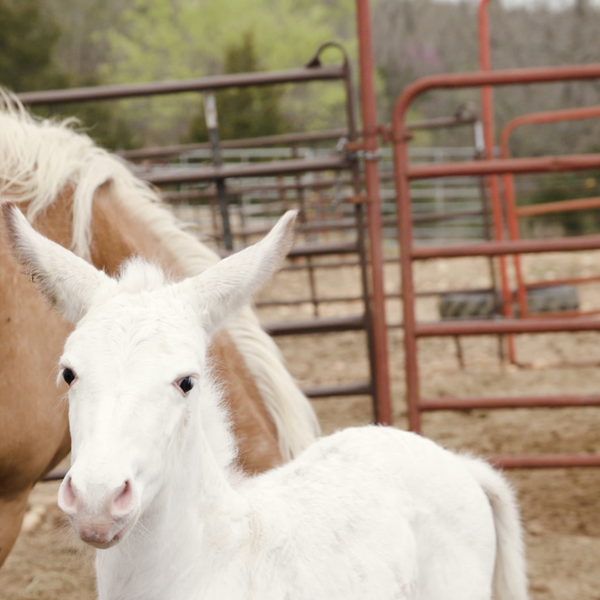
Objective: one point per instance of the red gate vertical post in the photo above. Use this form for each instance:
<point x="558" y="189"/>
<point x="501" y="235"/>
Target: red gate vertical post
<point x="487" y="118"/>
<point x="404" y="216"/>
<point x="369" y="122"/>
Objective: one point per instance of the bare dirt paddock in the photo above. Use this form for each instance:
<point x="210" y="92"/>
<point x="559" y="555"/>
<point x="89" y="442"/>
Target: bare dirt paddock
<point x="561" y="508"/>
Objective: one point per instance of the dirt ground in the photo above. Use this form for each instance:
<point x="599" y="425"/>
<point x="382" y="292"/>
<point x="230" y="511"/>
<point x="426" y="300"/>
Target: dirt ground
<point x="561" y="508"/>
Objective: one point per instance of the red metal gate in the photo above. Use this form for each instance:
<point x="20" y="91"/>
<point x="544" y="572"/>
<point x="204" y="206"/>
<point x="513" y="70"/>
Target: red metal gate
<point x="404" y="173"/>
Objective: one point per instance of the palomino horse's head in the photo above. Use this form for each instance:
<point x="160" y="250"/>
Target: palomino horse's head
<point x="135" y="365"/>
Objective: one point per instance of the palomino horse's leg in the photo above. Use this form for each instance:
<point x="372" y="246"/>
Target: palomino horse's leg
<point x="12" y="511"/>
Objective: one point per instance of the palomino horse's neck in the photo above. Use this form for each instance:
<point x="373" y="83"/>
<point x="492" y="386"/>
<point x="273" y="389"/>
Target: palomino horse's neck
<point x="117" y="235"/>
<point x="34" y="432"/>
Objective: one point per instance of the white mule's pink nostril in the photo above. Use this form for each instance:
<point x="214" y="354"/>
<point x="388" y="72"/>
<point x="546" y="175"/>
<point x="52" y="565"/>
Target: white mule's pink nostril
<point x="67" y="494"/>
<point x="123" y="500"/>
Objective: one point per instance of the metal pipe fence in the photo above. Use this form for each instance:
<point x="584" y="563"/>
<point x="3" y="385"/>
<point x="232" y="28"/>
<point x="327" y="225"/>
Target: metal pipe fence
<point x="378" y="385"/>
<point x="404" y="173"/>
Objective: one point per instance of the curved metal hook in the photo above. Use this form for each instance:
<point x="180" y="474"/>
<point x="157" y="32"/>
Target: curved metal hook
<point x="315" y="61"/>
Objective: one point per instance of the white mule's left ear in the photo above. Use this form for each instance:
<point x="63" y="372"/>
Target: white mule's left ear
<point x="68" y="282"/>
<point x="230" y="284"/>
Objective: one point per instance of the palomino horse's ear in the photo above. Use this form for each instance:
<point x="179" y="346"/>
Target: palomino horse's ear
<point x="67" y="281"/>
<point x="227" y="286"/>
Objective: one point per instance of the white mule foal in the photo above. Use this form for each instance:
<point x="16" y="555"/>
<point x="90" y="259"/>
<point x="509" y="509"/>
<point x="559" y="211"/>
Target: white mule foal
<point x="367" y="513"/>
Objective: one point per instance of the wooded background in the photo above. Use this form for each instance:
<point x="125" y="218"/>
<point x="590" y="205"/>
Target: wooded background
<point x="60" y="43"/>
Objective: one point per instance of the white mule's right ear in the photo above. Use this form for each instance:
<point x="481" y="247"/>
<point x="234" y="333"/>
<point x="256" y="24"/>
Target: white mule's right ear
<point x="68" y="282"/>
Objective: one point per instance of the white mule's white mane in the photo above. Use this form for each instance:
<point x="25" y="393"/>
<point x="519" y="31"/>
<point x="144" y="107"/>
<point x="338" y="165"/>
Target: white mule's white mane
<point x="41" y="158"/>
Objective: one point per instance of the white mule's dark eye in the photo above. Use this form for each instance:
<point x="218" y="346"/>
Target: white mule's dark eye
<point x="186" y="384"/>
<point x="68" y="376"/>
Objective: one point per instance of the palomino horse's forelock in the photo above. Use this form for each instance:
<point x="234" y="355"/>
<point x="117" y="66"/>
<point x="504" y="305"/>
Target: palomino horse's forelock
<point x="39" y="159"/>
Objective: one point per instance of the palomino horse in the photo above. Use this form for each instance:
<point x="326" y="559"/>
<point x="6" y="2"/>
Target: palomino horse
<point x="84" y="198"/>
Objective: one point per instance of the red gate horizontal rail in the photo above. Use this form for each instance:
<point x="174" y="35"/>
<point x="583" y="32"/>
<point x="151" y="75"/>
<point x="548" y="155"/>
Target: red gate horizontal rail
<point x="546" y="208"/>
<point x="500" y="326"/>
<point x="547" y="117"/>
<point x="499" y="402"/>
<point x="500" y="77"/>
<point x="542" y="164"/>
<point x="544" y="461"/>
<point x="584" y="242"/>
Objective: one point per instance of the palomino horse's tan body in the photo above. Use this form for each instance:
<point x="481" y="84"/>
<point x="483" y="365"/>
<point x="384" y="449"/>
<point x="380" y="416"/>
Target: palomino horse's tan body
<point x="83" y="198"/>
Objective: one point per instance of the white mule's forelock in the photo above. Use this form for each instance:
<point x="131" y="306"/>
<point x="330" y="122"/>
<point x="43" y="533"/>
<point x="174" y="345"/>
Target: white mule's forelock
<point x="137" y="275"/>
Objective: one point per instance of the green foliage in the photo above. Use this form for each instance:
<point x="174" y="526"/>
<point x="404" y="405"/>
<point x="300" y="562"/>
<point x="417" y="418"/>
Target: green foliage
<point x="27" y="41"/>
<point x="99" y="120"/>
<point x="28" y="37"/>
<point x="244" y="112"/>
<point x="560" y="187"/>
<point x="176" y="39"/>
<point x="127" y="41"/>
<point x="105" y="125"/>
<point x="186" y="38"/>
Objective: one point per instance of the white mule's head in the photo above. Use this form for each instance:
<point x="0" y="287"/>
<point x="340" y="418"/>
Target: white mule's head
<point x="135" y="365"/>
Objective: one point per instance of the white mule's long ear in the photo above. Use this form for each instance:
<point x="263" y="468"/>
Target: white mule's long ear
<point x="227" y="286"/>
<point x="68" y="282"/>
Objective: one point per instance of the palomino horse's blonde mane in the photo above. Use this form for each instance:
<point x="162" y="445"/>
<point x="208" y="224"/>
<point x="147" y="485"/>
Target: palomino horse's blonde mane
<point x="40" y="158"/>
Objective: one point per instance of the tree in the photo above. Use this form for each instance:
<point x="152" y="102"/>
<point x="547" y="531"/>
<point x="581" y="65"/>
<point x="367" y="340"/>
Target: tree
<point x="244" y="112"/>
<point x="159" y="40"/>
<point x="27" y="42"/>
<point x="99" y="120"/>
<point x="85" y="29"/>
<point x="414" y="38"/>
